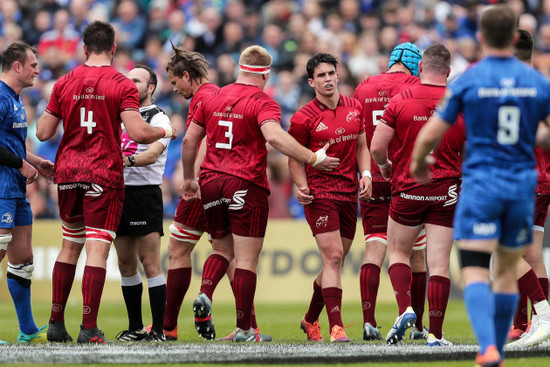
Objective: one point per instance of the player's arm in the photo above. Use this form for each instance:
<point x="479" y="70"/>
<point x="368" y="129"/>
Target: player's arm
<point x="46" y="126"/>
<point x="147" y="157"/>
<point x="190" y="187"/>
<point x="12" y="160"/>
<point x="427" y="140"/>
<point x="299" y="176"/>
<point x="287" y="145"/>
<point x="363" y="164"/>
<point x="543" y="134"/>
<point x="141" y="132"/>
<point x="383" y="135"/>
<point x="200" y="157"/>
<point x="44" y="166"/>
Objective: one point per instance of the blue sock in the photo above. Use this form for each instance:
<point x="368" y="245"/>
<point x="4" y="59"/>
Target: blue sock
<point x="21" y="296"/>
<point x="505" y="308"/>
<point x="479" y="304"/>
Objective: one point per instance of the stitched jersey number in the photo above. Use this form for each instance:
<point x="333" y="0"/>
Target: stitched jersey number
<point x="89" y="123"/>
<point x="376" y="116"/>
<point x="508" y="125"/>
<point x="228" y="134"/>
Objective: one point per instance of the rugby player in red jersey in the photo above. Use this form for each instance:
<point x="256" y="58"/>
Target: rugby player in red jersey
<point x="374" y="94"/>
<point x="330" y="198"/>
<point x="92" y="100"/>
<point x="431" y="204"/>
<point x="238" y="120"/>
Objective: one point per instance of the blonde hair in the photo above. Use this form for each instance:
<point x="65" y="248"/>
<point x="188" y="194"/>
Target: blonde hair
<point x="255" y="56"/>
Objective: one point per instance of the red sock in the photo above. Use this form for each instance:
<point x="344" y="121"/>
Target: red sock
<point x="253" y="323"/>
<point x="520" y="318"/>
<point x="316" y="305"/>
<point x="438" y="297"/>
<point x="369" y="281"/>
<point x="214" y="270"/>
<point x="333" y="300"/>
<point x="244" y="287"/>
<point x="418" y="297"/>
<point x="62" y="281"/>
<point x="92" y="289"/>
<point x="177" y="284"/>
<point x="530" y="284"/>
<point x="401" y="279"/>
<point x="544" y="285"/>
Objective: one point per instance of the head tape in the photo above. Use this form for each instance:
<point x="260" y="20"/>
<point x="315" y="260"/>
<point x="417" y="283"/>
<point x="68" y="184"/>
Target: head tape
<point x="408" y="54"/>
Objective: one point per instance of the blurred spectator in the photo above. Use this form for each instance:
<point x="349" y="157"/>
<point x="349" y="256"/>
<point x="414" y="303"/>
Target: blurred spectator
<point x="349" y="10"/>
<point x="176" y="31"/>
<point x="212" y="36"/>
<point x="364" y="61"/>
<point x="130" y="25"/>
<point x="273" y="39"/>
<point x="287" y="93"/>
<point x="59" y="45"/>
<point x="233" y="35"/>
<point x="80" y="17"/>
<point x="34" y="28"/>
<point x="226" y="69"/>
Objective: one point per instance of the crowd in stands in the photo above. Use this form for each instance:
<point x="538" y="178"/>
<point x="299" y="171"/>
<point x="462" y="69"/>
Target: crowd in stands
<point x="360" y="33"/>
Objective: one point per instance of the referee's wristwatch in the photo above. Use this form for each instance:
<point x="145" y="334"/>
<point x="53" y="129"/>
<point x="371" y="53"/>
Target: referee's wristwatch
<point x="132" y="160"/>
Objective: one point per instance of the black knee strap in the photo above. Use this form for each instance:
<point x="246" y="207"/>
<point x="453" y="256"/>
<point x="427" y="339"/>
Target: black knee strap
<point x="474" y="258"/>
<point x="24" y="282"/>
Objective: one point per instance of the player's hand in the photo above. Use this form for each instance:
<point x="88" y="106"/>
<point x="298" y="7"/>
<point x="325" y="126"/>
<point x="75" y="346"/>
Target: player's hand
<point x="190" y="190"/>
<point x="303" y="195"/>
<point x="323" y="162"/>
<point x="29" y="172"/>
<point x="365" y="186"/>
<point x="420" y="170"/>
<point x="387" y="170"/>
<point x="45" y="168"/>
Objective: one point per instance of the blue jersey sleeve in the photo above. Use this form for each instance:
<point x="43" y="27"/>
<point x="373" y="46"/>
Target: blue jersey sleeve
<point x="451" y="104"/>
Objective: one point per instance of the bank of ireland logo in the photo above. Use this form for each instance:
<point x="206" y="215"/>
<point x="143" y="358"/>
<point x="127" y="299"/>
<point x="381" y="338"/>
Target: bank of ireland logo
<point x="322" y="221"/>
<point x="340" y="131"/>
<point x="89" y="90"/>
<point x="7" y="218"/>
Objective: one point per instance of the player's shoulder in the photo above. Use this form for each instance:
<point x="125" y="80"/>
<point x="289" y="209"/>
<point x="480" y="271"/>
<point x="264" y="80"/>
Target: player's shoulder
<point x="350" y="102"/>
<point x="307" y="113"/>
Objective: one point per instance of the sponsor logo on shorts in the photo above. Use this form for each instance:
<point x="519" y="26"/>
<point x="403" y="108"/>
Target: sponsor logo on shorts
<point x="72" y="186"/>
<point x="238" y="200"/>
<point x="522" y="236"/>
<point x="140" y="223"/>
<point x="453" y="195"/>
<point x="422" y="197"/>
<point x="216" y="203"/>
<point x="485" y="229"/>
<point x="95" y="191"/>
<point x="322" y="221"/>
<point x="7" y="218"/>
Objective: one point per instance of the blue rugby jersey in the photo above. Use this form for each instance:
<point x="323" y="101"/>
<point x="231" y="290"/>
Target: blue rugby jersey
<point x="13" y="132"/>
<point x="503" y="101"/>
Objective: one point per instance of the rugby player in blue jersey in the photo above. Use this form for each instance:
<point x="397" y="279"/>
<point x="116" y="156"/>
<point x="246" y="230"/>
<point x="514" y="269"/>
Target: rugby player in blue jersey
<point x="502" y="100"/>
<point x="17" y="169"/>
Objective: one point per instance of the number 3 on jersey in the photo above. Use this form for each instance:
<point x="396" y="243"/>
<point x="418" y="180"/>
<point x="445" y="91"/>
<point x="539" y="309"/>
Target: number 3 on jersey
<point x="508" y="125"/>
<point x="228" y="134"/>
<point x="89" y="124"/>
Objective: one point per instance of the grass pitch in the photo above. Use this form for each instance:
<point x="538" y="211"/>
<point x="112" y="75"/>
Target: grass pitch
<point x="281" y="321"/>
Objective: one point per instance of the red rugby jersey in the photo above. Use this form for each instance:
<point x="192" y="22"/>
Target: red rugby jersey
<point x="89" y="100"/>
<point x="313" y="126"/>
<point x="232" y="118"/>
<point x="542" y="157"/>
<point x="374" y="93"/>
<point x="407" y="112"/>
<point x="204" y="91"/>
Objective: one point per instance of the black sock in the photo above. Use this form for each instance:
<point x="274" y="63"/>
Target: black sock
<point x="132" y="298"/>
<point x="157" y="300"/>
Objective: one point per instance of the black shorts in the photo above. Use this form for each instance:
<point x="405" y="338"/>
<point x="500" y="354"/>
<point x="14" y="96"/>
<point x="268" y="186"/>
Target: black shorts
<point x="142" y="211"/>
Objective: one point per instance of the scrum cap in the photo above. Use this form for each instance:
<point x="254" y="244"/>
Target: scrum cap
<point x="408" y="54"/>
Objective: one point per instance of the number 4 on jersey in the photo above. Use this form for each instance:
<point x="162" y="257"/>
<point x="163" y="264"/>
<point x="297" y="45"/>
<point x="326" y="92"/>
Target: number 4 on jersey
<point x="89" y="124"/>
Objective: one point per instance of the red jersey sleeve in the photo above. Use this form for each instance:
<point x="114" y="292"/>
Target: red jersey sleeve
<point x="269" y="110"/>
<point x="299" y="128"/>
<point x="130" y="97"/>
<point x="390" y="114"/>
<point x="53" y="107"/>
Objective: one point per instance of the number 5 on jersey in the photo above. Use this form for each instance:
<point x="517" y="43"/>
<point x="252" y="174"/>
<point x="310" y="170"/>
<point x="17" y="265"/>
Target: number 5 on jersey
<point x="89" y="124"/>
<point x="228" y="134"/>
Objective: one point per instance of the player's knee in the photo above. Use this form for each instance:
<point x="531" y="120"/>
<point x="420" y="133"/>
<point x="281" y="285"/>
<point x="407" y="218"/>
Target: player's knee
<point x="21" y="273"/>
<point x="77" y="235"/>
<point x="184" y="235"/>
<point x="102" y="235"/>
<point x="474" y="258"/>
<point x="4" y="240"/>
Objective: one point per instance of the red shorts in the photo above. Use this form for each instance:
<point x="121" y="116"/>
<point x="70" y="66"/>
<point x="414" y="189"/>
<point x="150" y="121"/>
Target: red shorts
<point x="191" y="214"/>
<point x="95" y="205"/>
<point x="432" y="203"/>
<point x="374" y="213"/>
<point x="542" y="202"/>
<point x="325" y="215"/>
<point x="234" y="205"/>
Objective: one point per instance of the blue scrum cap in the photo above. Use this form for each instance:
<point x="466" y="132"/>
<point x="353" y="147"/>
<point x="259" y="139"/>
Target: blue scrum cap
<point x="408" y="54"/>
